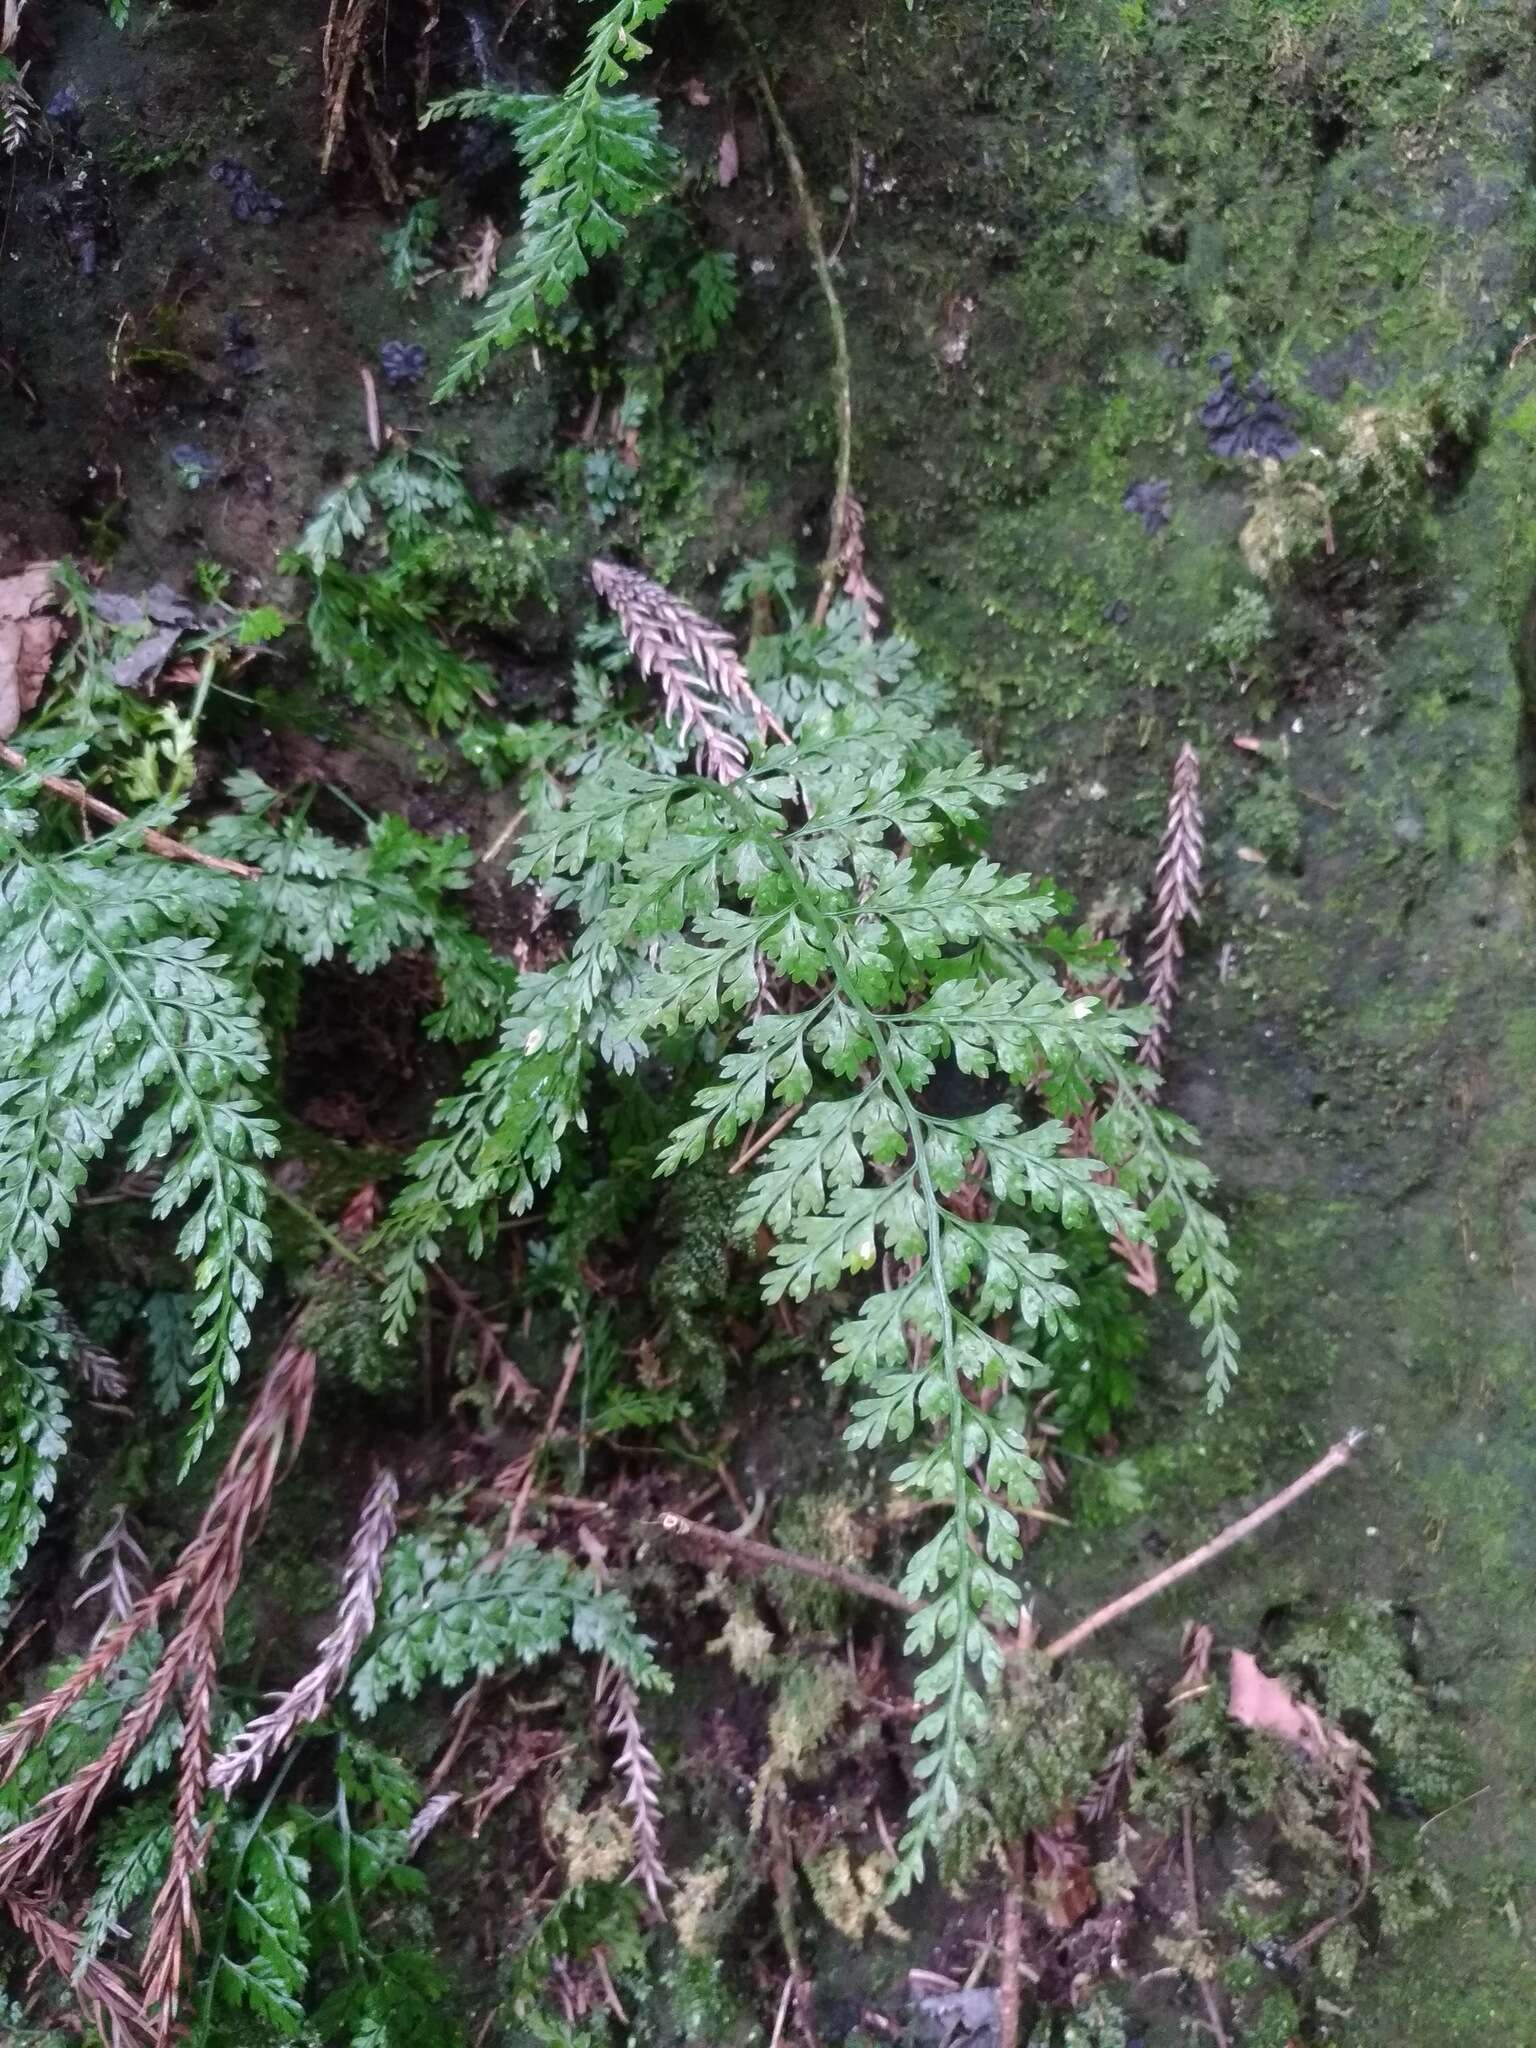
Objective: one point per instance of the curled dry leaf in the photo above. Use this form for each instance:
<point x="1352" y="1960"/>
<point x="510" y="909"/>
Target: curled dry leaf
<point x="727" y="159"/>
<point x="29" y="632"/>
<point x="1268" y="1706"/>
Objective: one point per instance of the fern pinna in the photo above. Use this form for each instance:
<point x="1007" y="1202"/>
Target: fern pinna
<point x="806" y="917"/>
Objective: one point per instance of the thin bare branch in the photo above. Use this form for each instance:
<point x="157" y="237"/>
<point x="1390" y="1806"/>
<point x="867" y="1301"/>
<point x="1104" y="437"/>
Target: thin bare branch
<point x="1331" y="1461"/>
<point x="161" y="843"/>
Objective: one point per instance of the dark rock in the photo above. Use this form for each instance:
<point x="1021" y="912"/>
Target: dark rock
<point x="65" y="111"/>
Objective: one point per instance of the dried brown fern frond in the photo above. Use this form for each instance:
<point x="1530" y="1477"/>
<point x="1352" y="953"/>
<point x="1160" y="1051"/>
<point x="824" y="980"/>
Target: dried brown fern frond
<point x="121" y="1567"/>
<point x="105" y="1999"/>
<point x="264" y="1738"/>
<point x="694" y="661"/>
<point x="856" y="581"/>
<point x="641" y="1774"/>
<point x="204" y="1577"/>
<point x="1176" y="901"/>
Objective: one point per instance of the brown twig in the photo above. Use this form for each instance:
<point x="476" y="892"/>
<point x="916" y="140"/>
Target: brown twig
<point x="1207" y="1992"/>
<point x="524" y="1392"/>
<point x="842" y="362"/>
<point x="161" y="843"/>
<point x="764" y="1557"/>
<point x="1012" y="1955"/>
<point x="1340" y="1454"/>
<point x="573" y="1353"/>
<point x="754" y="1146"/>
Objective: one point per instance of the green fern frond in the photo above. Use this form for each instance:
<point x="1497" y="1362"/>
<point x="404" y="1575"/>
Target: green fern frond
<point x="33" y="1426"/>
<point x="448" y="1614"/>
<point x="118" y="1020"/>
<point x="590" y="159"/>
<point x="835" y="864"/>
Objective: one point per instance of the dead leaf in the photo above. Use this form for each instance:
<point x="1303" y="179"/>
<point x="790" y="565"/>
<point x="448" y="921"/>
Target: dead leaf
<point x="727" y="159"/>
<point x="695" y="92"/>
<point x="1268" y="1706"/>
<point x="479" y="266"/>
<point x="1252" y="854"/>
<point x="145" y="659"/>
<point x="11" y="24"/>
<point x="1247" y="742"/>
<point x="29" y="632"/>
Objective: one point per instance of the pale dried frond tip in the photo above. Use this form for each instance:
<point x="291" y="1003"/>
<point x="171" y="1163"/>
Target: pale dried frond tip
<point x="640" y="1774"/>
<point x="694" y="661"/>
<point x="265" y="1738"/>
<point x="1176" y="901"/>
<point x="857" y="585"/>
<point x="426" y="1818"/>
<point x="477" y="271"/>
<point x="121" y="1568"/>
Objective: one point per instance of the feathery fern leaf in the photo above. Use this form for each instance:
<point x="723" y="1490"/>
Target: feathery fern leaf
<point x="448" y="1614"/>
<point x="836" y="864"/>
<point x="590" y="157"/>
<point x="33" y="1426"/>
<point x="117" y="1018"/>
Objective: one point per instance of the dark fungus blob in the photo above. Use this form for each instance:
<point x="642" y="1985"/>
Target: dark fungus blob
<point x="240" y="347"/>
<point x="248" y="200"/>
<point x="195" y="461"/>
<point x="1246" y="422"/>
<point x="403" y="363"/>
<point x="1150" y="502"/>
<point x="65" y="111"/>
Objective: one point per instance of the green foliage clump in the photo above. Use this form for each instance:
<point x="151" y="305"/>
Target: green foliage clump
<point x="1048" y="1736"/>
<point x="33" y="1426"/>
<point x="382" y="630"/>
<point x="1353" y="1658"/>
<point x="692" y="896"/>
<point x="120" y="1017"/>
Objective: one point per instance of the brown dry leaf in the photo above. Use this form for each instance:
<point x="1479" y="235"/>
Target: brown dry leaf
<point x="479" y="265"/>
<point x="28" y="635"/>
<point x="695" y="92"/>
<point x="1247" y="742"/>
<point x="1270" y="1707"/>
<point x="1253" y="856"/>
<point x="727" y="159"/>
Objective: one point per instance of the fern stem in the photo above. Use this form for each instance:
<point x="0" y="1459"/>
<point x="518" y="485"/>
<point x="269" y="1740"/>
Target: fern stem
<point x="955" y="1398"/>
<point x="842" y="361"/>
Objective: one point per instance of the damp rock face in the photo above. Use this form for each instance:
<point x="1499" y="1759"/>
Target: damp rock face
<point x="1251" y="421"/>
